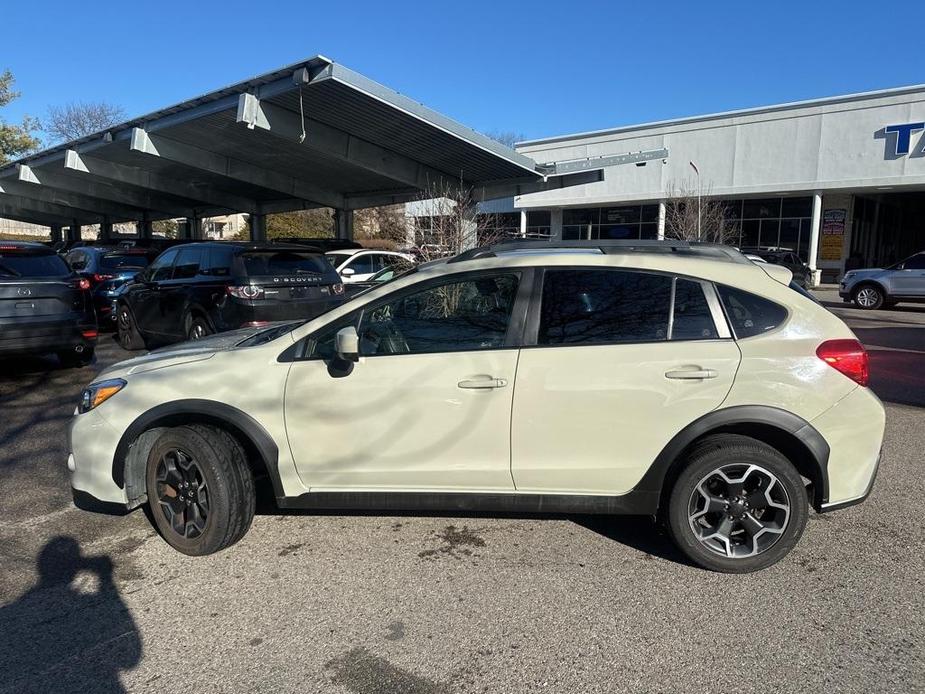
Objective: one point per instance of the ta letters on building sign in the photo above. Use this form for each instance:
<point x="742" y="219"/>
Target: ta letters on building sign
<point x="833" y="234"/>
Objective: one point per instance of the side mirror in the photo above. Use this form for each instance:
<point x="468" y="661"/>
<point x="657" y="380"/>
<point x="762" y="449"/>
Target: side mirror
<point x="347" y="344"/>
<point x="348" y="272"/>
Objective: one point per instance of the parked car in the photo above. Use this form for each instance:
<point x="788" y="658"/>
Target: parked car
<point x="193" y="290"/>
<point x="873" y="288"/>
<point x="802" y="275"/>
<point x="360" y="264"/>
<point x="44" y="305"/>
<point x="107" y="269"/>
<point x="691" y="386"/>
<point x="387" y="274"/>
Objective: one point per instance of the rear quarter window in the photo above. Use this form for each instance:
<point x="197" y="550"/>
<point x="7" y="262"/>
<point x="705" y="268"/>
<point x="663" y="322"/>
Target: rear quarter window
<point x="13" y="265"/>
<point x="750" y="314"/>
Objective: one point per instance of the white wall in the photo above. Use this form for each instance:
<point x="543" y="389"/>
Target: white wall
<point x="826" y="145"/>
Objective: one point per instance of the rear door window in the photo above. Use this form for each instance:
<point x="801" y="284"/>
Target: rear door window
<point x="288" y="263"/>
<point x="188" y="262"/>
<point x="584" y="306"/>
<point x="749" y="314"/>
<point x="13" y="265"/>
<point x="219" y="261"/>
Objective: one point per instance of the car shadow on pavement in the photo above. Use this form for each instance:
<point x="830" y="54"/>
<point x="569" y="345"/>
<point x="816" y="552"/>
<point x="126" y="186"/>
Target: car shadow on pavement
<point x="70" y="632"/>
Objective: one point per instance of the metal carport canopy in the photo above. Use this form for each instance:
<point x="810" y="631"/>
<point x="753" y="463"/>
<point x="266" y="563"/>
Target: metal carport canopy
<point x="313" y="134"/>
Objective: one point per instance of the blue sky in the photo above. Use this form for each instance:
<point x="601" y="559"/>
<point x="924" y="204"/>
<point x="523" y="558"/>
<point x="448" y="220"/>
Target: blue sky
<point x="536" y="68"/>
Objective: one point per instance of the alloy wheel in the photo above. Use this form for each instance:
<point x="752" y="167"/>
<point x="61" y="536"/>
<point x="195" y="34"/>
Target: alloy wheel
<point x="197" y="331"/>
<point x="124" y="328"/>
<point x="182" y="494"/>
<point x="739" y="510"/>
<point x="867" y="297"/>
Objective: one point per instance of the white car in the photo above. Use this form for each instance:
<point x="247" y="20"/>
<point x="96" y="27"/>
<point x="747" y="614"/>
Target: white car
<point x="678" y="381"/>
<point x="359" y="264"/>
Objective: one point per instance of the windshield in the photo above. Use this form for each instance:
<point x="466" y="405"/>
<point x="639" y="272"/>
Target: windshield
<point x="336" y="258"/>
<point x="257" y="263"/>
<point x="29" y="265"/>
<point x="120" y="261"/>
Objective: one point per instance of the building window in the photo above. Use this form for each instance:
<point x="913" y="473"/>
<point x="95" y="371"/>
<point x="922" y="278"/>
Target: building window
<point x="624" y="222"/>
<point x="770" y="223"/>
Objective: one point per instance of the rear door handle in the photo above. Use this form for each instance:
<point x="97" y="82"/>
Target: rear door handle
<point x="691" y="374"/>
<point x="482" y="383"/>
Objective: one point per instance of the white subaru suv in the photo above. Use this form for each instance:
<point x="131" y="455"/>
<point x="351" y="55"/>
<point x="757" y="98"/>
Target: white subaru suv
<point x="675" y="380"/>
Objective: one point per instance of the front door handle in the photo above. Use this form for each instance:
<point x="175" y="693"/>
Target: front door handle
<point x="691" y="374"/>
<point x="482" y="383"/>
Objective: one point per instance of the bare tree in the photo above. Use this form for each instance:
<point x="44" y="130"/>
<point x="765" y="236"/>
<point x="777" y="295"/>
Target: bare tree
<point x="690" y="216"/>
<point x="78" y="119"/>
<point x="447" y="222"/>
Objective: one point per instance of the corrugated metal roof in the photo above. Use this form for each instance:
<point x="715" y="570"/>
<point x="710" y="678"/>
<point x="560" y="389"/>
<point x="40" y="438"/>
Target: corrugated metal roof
<point x="401" y="134"/>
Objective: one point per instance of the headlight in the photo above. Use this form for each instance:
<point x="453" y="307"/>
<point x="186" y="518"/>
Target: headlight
<point x="848" y="275"/>
<point x="96" y="394"/>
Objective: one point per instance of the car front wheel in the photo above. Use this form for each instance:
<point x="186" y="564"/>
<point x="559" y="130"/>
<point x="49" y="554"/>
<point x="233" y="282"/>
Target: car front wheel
<point x="739" y="505"/>
<point x="200" y="489"/>
<point x="868" y="297"/>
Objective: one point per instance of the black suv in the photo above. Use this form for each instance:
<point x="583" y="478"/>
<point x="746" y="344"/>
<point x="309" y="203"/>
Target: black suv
<point x="44" y="306"/>
<point x="196" y="289"/>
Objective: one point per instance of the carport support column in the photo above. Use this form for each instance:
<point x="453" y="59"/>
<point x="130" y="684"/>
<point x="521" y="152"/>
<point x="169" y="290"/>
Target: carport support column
<point x="662" y="212"/>
<point x="73" y="233"/>
<point x="55" y="233"/>
<point x="555" y="224"/>
<point x="523" y="224"/>
<point x="145" y="229"/>
<point x="258" y="225"/>
<point x="193" y="228"/>
<point x="343" y="224"/>
<point x="105" y="229"/>
<point x="814" y="237"/>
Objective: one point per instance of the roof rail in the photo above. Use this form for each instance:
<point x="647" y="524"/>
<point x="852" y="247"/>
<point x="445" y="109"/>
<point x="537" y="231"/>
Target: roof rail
<point x="610" y="246"/>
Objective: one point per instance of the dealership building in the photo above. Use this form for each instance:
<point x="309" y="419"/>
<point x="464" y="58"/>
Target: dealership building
<point x="839" y="180"/>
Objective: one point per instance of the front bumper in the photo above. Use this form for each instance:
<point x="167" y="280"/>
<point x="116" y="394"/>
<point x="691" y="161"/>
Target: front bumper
<point x="92" y="443"/>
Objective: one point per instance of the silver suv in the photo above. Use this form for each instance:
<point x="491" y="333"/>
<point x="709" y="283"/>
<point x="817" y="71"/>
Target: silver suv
<point x="874" y="288"/>
<point x="677" y="381"/>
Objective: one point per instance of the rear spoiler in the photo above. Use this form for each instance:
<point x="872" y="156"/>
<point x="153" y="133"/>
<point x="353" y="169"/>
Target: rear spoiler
<point x="777" y="272"/>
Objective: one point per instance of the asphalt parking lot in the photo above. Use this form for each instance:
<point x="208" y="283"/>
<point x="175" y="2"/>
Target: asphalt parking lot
<point x="370" y="604"/>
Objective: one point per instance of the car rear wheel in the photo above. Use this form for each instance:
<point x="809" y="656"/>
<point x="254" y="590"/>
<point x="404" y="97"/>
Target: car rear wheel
<point x="739" y="505"/>
<point x="869" y="297"/>
<point x="129" y="337"/>
<point x="71" y="359"/>
<point x="200" y="489"/>
<point x="197" y="328"/>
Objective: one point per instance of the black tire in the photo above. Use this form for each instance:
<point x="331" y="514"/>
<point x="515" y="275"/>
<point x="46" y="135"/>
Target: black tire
<point x="73" y="360"/>
<point x="774" y="531"/>
<point x="869" y="297"/>
<point x="197" y="327"/>
<point x="129" y="337"/>
<point x="200" y="489"/>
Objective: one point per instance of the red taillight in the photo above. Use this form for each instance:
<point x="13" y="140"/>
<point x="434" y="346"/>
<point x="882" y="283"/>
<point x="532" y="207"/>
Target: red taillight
<point x="847" y="356"/>
<point x="101" y="278"/>
<point x="90" y="334"/>
<point x="337" y="288"/>
<point x="83" y="283"/>
<point x="247" y="291"/>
